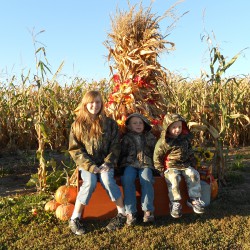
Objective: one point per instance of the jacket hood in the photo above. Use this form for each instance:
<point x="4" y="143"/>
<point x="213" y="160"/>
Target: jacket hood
<point x="147" y="126"/>
<point x="170" y="118"/>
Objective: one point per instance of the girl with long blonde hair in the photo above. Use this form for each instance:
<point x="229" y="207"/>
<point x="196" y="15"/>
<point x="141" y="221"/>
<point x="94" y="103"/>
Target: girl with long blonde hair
<point x="95" y="148"/>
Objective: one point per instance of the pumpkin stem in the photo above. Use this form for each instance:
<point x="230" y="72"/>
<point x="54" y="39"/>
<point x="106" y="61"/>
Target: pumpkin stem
<point x="67" y="178"/>
<point x="73" y="178"/>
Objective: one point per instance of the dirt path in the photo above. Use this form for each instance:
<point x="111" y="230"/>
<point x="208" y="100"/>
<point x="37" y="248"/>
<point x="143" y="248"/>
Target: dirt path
<point x="15" y="185"/>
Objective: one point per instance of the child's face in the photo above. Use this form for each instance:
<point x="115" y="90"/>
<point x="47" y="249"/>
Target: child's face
<point x="95" y="106"/>
<point x="175" y="129"/>
<point x="136" y="124"/>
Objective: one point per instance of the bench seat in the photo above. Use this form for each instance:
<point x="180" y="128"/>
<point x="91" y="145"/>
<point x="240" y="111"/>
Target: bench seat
<point x="101" y="207"/>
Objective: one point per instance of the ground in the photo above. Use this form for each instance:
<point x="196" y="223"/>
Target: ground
<point x="16" y="169"/>
<point x="225" y="225"/>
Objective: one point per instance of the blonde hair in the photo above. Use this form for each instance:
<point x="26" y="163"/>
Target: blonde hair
<point x="85" y="123"/>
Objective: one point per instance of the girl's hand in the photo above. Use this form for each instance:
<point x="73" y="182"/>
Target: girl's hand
<point x="96" y="170"/>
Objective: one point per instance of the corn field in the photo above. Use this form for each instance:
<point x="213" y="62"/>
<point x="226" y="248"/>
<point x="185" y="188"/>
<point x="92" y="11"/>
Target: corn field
<point x="194" y="99"/>
<point x="199" y="100"/>
<point x="19" y="113"/>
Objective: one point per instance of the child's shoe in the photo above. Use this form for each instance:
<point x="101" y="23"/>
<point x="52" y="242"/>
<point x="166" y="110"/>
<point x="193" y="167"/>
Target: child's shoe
<point x="175" y="209"/>
<point x="131" y="219"/>
<point x="117" y="222"/>
<point x="197" y="204"/>
<point x="76" y="226"/>
<point x="148" y="217"/>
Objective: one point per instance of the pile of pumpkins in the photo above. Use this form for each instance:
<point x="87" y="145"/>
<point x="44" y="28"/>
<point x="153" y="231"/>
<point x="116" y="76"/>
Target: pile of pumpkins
<point x="63" y="203"/>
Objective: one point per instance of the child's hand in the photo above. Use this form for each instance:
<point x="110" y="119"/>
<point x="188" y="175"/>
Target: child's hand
<point x="104" y="168"/>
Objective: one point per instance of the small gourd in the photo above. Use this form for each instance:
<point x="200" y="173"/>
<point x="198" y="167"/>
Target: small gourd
<point x="214" y="188"/>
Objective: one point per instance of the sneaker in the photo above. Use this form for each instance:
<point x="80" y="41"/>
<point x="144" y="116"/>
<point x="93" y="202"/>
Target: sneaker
<point x="197" y="204"/>
<point x="175" y="209"/>
<point x="76" y="226"/>
<point x="117" y="222"/>
<point x="131" y="219"/>
<point x="148" y="217"/>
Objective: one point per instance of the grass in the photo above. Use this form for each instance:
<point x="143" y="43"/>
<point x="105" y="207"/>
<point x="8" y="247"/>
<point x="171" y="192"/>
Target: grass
<point x="220" y="228"/>
<point x="225" y="225"/>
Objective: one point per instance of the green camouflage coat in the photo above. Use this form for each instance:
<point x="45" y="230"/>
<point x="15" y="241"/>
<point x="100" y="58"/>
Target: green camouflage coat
<point x="174" y="152"/>
<point x="90" y="153"/>
<point x="137" y="149"/>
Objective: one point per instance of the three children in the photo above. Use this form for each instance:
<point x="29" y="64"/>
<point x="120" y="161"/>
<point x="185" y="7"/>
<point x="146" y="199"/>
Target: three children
<point x="94" y="146"/>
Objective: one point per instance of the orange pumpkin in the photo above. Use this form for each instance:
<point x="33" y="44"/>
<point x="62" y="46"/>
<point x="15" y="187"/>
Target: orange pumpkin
<point x="64" y="211"/>
<point x="51" y="206"/>
<point x="214" y="189"/>
<point x="66" y="194"/>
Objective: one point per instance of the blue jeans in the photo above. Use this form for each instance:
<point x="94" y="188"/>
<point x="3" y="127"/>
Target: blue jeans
<point x="89" y="184"/>
<point x="147" y="190"/>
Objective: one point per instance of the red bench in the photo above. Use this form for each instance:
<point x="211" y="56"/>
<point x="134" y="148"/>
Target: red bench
<point x="101" y="207"/>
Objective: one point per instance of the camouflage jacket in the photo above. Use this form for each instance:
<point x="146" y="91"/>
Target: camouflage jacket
<point x="90" y="153"/>
<point x="174" y="152"/>
<point x="137" y="149"/>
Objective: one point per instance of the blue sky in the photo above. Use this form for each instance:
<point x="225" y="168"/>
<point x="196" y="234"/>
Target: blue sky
<point x="75" y="31"/>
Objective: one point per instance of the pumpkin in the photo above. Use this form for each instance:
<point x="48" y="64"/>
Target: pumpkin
<point x="51" y="206"/>
<point x="66" y="194"/>
<point x="214" y="188"/>
<point x="65" y="211"/>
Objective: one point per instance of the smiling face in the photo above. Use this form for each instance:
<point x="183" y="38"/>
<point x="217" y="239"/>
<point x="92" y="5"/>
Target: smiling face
<point x="94" y="107"/>
<point x="175" y="129"/>
<point x="136" y="124"/>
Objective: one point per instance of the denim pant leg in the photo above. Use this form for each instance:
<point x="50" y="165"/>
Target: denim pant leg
<point x="108" y="182"/>
<point x="192" y="178"/>
<point x="88" y="186"/>
<point x="173" y="178"/>
<point x="128" y="183"/>
<point x="147" y="189"/>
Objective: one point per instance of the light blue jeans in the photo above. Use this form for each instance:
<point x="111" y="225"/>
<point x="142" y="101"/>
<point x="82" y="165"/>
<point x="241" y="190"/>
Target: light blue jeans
<point x="173" y="178"/>
<point x="147" y="189"/>
<point x="89" y="184"/>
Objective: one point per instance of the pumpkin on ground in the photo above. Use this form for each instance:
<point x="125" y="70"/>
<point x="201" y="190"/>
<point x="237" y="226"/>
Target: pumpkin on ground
<point x="214" y="188"/>
<point x="51" y="206"/>
<point x="66" y="194"/>
<point x="64" y="211"/>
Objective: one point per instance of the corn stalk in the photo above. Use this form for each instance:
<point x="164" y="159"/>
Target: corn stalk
<point x="40" y="126"/>
<point x="135" y="43"/>
<point x="221" y="117"/>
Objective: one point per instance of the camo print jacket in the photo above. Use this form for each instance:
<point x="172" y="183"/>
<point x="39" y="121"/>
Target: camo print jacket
<point x="90" y="153"/>
<point x="174" y="152"/>
<point x="137" y="149"/>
